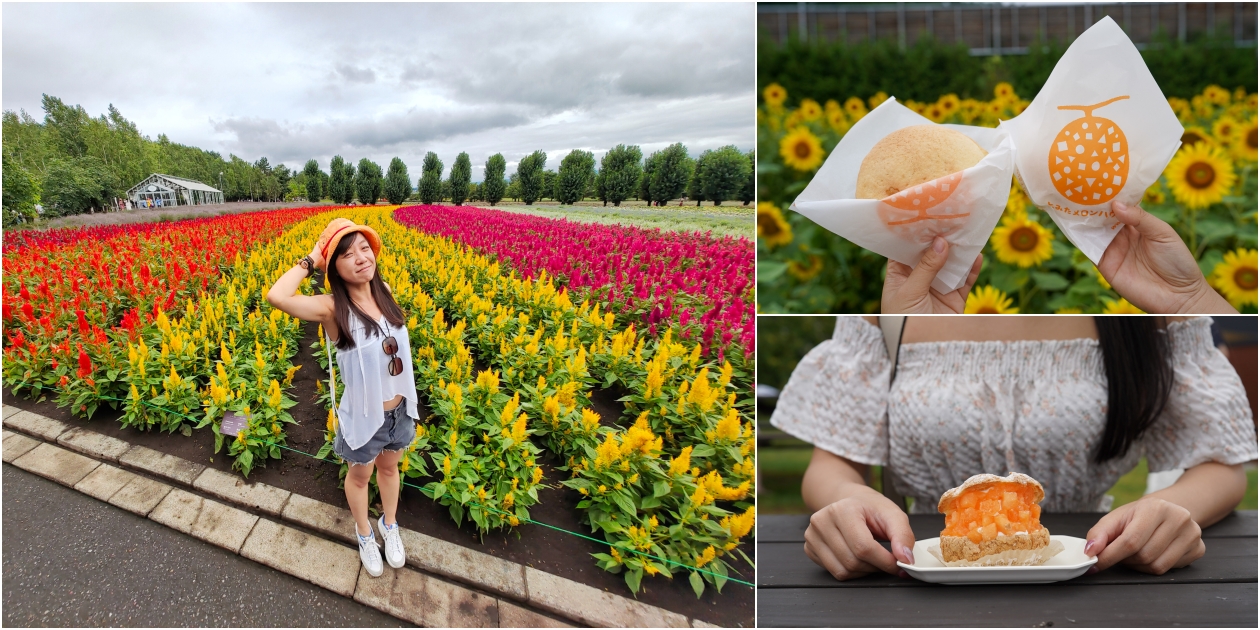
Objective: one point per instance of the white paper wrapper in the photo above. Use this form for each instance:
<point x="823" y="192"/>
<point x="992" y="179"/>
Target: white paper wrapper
<point x="963" y="207"/>
<point x="1012" y="558"/>
<point x="1119" y="125"/>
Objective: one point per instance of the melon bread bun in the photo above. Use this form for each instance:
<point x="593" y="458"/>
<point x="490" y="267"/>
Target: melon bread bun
<point x="989" y="514"/>
<point x="914" y="155"/>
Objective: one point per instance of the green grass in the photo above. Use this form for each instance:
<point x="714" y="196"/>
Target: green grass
<point x="738" y="221"/>
<point x="782" y="468"/>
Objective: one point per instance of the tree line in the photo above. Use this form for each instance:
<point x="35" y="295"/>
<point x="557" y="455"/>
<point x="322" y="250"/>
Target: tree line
<point x="72" y="163"/>
<point x="717" y="175"/>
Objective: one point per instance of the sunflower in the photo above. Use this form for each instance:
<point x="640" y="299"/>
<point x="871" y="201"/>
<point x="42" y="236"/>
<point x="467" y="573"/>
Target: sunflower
<point x="949" y="103"/>
<point x="1240" y="95"/>
<point x="806" y="272"/>
<point x="935" y="113"/>
<point x="1199" y="175"/>
<point x="1022" y="241"/>
<point x="771" y="226"/>
<point x="1235" y="277"/>
<point x="1121" y="308"/>
<point x="1251" y="102"/>
<point x="838" y="120"/>
<point x="801" y="149"/>
<point x="1016" y="203"/>
<point x="989" y="301"/>
<point x="1223" y="130"/>
<point x="774" y="95"/>
<point x="1154" y="195"/>
<point x="1245" y="140"/>
<point x="1216" y="94"/>
<point x="855" y="108"/>
<point x="831" y="106"/>
<point x="1194" y="135"/>
<point x="1004" y="92"/>
<point x="810" y="109"/>
<point x="1181" y="107"/>
<point x="879" y="97"/>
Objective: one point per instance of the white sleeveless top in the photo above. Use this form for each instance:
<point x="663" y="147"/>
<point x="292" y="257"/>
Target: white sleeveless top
<point x="365" y="371"/>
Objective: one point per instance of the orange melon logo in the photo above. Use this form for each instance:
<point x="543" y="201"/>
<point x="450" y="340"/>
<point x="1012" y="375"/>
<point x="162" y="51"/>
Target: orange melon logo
<point x="1089" y="158"/>
<point x="907" y="214"/>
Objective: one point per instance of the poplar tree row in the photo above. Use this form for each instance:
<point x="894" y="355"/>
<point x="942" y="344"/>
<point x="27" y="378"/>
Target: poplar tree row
<point x="716" y="175"/>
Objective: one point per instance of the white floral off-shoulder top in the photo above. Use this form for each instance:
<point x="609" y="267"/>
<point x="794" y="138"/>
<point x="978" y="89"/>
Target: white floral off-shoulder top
<point x="960" y="408"/>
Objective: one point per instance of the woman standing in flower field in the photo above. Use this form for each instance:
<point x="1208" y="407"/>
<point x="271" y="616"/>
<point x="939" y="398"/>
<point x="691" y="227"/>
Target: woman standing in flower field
<point x="1205" y="200"/>
<point x="368" y="435"/>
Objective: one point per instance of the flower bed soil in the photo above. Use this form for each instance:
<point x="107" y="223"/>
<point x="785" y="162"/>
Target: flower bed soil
<point x="539" y="547"/>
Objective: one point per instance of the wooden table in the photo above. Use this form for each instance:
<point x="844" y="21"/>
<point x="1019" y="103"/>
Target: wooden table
<point x="1217" y="590"/>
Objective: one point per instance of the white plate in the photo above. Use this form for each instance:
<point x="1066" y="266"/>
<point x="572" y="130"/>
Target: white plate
<point x="1067" y="564"/>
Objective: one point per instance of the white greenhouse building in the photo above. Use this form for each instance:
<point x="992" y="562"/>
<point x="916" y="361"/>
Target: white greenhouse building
<point x="174" y="191"/>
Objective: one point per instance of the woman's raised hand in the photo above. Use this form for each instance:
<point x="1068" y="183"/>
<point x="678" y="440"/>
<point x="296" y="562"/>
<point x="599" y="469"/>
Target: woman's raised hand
<point x="909" y="290"/>
<point x="317" y="256"/>
<point x="1149" y="265"/>
<point x="841" y="536"/>
<point x="1150" y="535"/>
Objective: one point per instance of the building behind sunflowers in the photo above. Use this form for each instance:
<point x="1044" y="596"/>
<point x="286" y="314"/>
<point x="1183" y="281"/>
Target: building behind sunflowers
<point x="1207" y="192"/>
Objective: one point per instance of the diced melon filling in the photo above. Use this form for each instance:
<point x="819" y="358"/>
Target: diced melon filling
<point x="986" y="512"/>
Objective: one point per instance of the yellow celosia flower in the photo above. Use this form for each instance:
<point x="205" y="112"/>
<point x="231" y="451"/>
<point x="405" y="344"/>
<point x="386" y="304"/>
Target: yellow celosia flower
<point x="680" y="464"/>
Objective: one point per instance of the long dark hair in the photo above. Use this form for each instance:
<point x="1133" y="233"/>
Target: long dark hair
<point x="1138" y="364"/>
<point x="343" y="305"/>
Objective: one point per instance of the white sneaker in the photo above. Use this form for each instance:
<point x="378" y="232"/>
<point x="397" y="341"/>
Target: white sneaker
<point x="394" y="552"/>
<point x="370" y="553"/>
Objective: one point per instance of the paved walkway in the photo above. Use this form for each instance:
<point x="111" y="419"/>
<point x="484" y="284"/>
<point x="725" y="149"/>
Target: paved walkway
<point x="71" y="560"/>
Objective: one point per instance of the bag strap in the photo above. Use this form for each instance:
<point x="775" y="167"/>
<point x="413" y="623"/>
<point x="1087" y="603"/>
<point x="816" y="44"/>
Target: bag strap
<point x="332" y="372"/>
<point x="893" y="327"/>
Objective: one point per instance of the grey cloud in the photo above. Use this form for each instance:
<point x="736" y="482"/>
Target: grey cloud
<point x="356" y="75"/>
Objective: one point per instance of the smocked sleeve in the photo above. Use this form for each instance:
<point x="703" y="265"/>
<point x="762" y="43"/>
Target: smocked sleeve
<point x="1207" y="418"/>
<point x="836" y="398"/>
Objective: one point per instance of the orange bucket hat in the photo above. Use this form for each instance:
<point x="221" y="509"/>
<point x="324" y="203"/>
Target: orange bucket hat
<point x="339" y="228"/>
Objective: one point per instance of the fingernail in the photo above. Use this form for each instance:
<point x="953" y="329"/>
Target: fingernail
<point x="1092" y="570"/>
<point x="1120" y="206"/>
<point x="907" y="554"/>
<point x="1089" y="545"/>
<point x="938" y="244"/>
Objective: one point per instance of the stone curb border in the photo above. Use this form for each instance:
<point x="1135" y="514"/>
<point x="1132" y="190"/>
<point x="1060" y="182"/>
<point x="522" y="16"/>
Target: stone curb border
<point x="81" y="459"/>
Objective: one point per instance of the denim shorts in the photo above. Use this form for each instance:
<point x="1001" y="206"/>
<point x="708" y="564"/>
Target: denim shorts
<point x="395" y="434"/>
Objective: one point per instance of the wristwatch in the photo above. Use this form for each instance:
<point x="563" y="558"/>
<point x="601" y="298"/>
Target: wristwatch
<point x="308" y="264"/>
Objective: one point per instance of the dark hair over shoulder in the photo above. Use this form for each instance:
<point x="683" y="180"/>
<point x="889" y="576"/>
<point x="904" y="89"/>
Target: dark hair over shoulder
<point x="1137" y="360"/>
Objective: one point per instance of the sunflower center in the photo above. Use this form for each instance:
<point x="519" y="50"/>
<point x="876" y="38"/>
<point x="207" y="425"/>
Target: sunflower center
<point x="1251" y="138"/>
<point x="1245" y="278"/>
<point x="1200" y="175"/>
<point x="803" y="150"/>
<point x="768" y="225"/>
<point x="987" y="310"/>
<point x="1191" y="137"/>
<point x="1024" y="239"/>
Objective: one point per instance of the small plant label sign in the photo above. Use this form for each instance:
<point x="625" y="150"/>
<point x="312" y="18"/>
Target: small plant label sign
<point x="232" y="424"/>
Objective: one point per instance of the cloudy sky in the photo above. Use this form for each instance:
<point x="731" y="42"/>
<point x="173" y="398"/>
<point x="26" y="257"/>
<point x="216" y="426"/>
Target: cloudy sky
<point x="298" y="81"/>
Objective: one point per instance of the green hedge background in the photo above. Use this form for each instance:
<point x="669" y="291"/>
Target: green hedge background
<point x="929" y="69"/>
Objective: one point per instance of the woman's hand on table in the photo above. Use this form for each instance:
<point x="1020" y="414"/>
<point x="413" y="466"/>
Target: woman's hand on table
<point x="908" y="290"/>
<point x="1152" y="268"/>
<point x="1150" y="535"/>
<point x="841" y="536"/>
